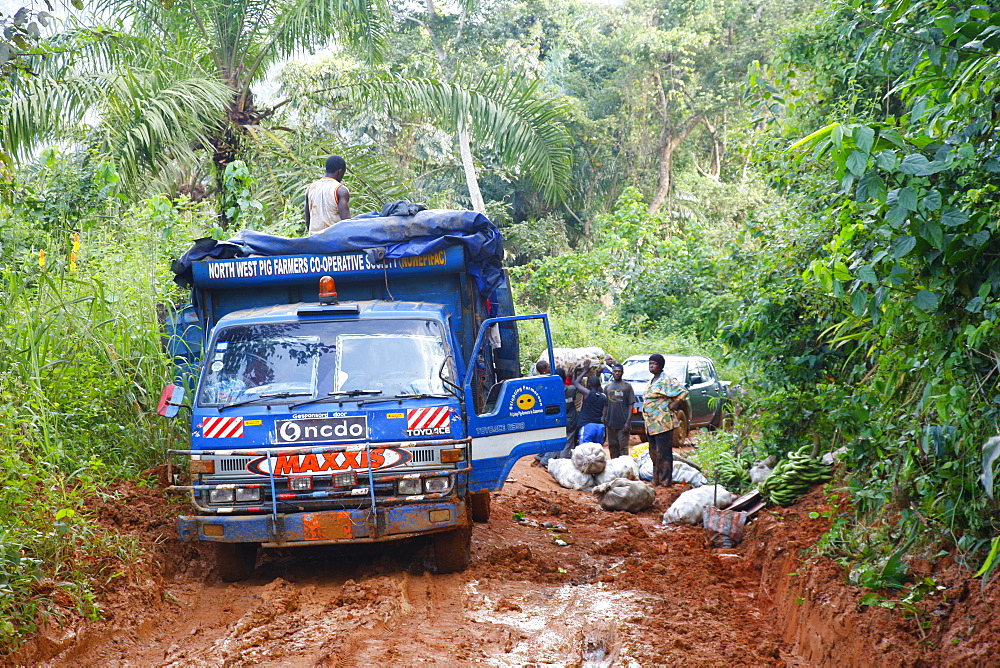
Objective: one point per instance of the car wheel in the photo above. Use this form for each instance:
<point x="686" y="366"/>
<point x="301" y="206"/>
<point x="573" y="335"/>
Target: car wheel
<point x="683" y="430"/>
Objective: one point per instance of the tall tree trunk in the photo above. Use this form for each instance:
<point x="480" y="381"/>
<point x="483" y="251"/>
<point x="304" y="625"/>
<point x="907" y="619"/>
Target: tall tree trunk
<point x="469" y="167"/>
<point x="670" y="144"/>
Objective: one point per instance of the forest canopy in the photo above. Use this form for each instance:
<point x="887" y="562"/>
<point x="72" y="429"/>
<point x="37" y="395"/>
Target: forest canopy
<point x="807" y="192"/>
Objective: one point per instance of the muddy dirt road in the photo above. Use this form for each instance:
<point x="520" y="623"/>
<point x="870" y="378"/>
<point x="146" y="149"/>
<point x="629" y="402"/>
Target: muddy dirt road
<point x="622" y="591"/>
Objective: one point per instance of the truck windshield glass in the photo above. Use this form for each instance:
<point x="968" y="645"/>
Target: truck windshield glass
<point x="292" y="361"/>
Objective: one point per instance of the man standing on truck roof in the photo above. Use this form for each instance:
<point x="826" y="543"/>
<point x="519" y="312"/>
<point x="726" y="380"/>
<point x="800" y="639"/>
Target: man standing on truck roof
<point x="327" y="199"/>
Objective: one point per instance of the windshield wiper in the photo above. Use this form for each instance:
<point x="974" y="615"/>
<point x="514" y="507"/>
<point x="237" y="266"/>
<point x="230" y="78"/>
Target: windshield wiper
<point x="349" y="394"/>
<point x="400" y="397"/>
<point x="266" y="395"/>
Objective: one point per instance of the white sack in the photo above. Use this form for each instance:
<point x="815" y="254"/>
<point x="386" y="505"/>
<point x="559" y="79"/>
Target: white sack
<point x="690" y="506"/>
<point x="619" y="467"/>
<point x="682" y="472"/>
<point x="686" y="473"/>
<point x="569" y="477"/>
<point x="621" y="494"/>
<point x="759" y="473"/>
<point x="589" y="458"/>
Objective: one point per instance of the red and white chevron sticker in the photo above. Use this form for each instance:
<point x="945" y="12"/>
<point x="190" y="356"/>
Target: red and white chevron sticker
<point x="222" y="427"/>
<point x="428" y="421"/>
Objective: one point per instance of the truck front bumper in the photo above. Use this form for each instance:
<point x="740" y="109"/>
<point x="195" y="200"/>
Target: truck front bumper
<point x="326" y="526"/>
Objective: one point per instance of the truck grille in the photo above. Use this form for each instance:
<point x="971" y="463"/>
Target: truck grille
<point x="230" y="464"/>
<point x="425" y="455"/>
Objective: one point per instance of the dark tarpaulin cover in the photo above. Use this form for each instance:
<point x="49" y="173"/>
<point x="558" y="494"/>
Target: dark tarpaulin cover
<point x="400" y="236"/>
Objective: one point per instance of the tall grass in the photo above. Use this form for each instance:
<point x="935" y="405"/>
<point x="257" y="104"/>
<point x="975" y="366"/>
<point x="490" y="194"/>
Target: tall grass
<point x="81" y="367"/>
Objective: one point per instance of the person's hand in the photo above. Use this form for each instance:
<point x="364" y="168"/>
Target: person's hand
<point x="586" y="364"/>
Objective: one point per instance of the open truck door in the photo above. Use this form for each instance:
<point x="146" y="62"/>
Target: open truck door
<point x="509" y="415"/>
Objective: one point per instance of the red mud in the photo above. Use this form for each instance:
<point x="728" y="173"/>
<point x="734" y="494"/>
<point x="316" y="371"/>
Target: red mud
<point x="624" y="591"/>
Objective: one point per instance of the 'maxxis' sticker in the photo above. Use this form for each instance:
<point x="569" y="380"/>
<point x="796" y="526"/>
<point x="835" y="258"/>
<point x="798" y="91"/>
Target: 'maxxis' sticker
<point x="222" y="427"/>
<point x="428" y="421"/>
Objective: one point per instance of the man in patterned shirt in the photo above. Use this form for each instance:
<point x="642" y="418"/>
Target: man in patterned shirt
<point x="663" y="396"/>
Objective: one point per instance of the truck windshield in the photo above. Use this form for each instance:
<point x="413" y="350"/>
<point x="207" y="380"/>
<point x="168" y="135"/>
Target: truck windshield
<point x="292" y="361"/>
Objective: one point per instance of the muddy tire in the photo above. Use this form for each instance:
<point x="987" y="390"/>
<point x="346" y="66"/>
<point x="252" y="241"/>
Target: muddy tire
<point x="453" y="550"/>
<point x="235" y="561"/>
<point x="479" y="506"/>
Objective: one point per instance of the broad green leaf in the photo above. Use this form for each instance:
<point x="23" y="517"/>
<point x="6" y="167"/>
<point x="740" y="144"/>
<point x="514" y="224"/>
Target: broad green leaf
<point x="933" y="234"/>
<point x="975" y="305"/>
<point x="991" y="450"/>
<point x="925" y="300"/>
<point x="887" y="160"/>
<point x="871" y="186"/>
<point x="857" y="162"/>
<point x="953" y="217"/>
<point x="867" y="274"/>
<point x="864" y="137"/>
<point x="903" y="245"/>
<point x="907" y="199"/>
<point x="896" y="216"/>
<point x="933" y="168"/>
<point x="913" y="164"/>
<point x="932" y="202"/>
<point x="840" y="272"/>
<point x="976" y="240"/>
<point x="859" y="302"/>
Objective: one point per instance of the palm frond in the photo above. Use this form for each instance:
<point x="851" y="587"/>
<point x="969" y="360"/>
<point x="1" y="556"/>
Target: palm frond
<point x="504" y="111"/>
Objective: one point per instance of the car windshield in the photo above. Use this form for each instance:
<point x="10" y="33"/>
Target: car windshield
<point x="637" y="371"/>
<point x="293" y="361"/>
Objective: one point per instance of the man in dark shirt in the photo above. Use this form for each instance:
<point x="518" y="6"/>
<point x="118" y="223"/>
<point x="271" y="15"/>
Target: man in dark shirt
<point x="620" y="399"/>
<point x="595" y="406"/>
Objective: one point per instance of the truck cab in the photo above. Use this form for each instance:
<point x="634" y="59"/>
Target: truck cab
<point x="388" y="410"/>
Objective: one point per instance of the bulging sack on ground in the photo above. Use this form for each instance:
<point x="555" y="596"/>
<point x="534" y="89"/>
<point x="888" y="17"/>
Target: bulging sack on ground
<point x="682" y="472"/>
<point x="690" y="506"/>
<point x="688" y="474"/>
<point x="645" y="464"/>
<point x="569" y="476"/>
<point x="628" y="495"/>
<point x="759" y="473"/>
<point x="619" y="467"/>
<point x="589" y="458"/>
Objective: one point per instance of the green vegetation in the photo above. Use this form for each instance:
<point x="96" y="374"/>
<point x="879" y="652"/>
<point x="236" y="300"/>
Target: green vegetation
<point x="805" y="192"/>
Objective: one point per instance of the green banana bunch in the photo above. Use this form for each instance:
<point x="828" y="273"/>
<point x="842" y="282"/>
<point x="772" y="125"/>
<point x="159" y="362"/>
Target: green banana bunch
<point x="732" y="471"/>
<point x="793" y="477"/>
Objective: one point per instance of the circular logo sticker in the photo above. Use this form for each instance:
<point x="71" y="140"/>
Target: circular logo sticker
<point x="217" y="366"/>
<point x="290" y="432"/>
<point x="525" y="401"/>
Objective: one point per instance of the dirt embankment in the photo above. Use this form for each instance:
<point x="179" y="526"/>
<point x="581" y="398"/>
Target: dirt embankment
<point x="623" y="590"/>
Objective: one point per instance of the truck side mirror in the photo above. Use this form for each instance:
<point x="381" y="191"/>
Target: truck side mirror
<point x="171" y="400"/>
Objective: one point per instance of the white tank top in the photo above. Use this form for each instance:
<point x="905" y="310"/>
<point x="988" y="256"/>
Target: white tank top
<point x="322" y="198"/>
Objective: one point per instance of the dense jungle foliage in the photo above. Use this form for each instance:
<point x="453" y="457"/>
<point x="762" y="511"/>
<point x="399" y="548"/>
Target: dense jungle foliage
<point x="805" y="191"/>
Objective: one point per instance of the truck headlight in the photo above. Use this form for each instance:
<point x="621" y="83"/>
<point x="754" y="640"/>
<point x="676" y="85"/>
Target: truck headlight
<point x="435" y="485"/>
<point x="408" y="486"/>
<point x="224" y="495"/>
<point x="246" y="494"/>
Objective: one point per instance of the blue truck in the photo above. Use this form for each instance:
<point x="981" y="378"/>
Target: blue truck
<point x="360" y="385"/>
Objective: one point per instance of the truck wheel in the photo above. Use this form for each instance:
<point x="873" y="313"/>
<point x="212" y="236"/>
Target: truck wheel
<point x="453" y="549"/>
<point x="479" y="506"/>
<point x="235" y="561"/>
<point x="722" y="420"/>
